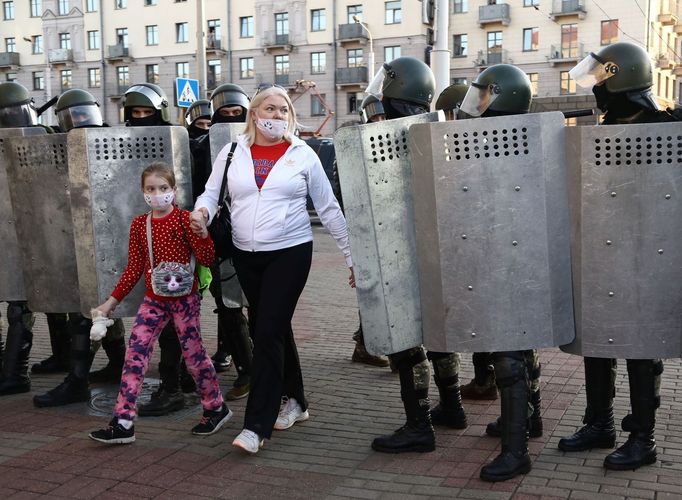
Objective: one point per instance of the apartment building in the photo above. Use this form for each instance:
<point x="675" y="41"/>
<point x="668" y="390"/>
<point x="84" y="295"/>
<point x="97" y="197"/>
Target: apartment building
<point x="104" y="46"/>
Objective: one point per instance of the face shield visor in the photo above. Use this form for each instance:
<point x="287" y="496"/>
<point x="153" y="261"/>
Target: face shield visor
<point x="228" y="99"/>
<point x="141" y="96"/>
<point x="479" y="98"/>
<point x="372" y="110"/>
<point x="201" y="111"/>
<point x="23" y="115"/>
<point x="592" y="70"/>
<point x="376" y="86"/>
<point x="82" y="115"/>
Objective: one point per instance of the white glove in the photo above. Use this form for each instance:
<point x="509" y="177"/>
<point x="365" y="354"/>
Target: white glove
<point x="99" y="325"/>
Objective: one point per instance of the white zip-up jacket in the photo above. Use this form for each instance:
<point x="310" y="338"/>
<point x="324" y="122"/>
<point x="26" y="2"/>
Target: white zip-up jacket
<point x="275" y="216"/>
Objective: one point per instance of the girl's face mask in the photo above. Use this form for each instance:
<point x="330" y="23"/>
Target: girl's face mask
<point x="159" y="201"/>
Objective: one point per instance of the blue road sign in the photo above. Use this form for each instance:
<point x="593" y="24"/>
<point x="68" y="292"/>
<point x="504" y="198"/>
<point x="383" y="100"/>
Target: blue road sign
<point x="187" y="91"/>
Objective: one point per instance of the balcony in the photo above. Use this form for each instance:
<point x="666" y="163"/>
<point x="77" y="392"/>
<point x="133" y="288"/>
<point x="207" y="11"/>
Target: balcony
<point x="496" y="13"/>
<point x="118" y="53"/>
<point x="485" y="59"/>
<point x="288" y="80"/>
<point x="352" y="33"/>
<point x="59" y="56"/>
<point x="677" y="70"/>
<point x="214" y="47"/>
<point x="213" y="81"/>
<point x="668" y="15"/>
<point x="273" y="41"/>
<point x="9" y="60"/>
<point x="560" y="55"/>
<point x="563" y="8"/>
<point x="665" y="60"/>
<point x="118" y="90"/>
<point x="351" y="76"/>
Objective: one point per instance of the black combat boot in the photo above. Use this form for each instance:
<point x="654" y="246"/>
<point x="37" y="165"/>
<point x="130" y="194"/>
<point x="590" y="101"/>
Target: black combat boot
<point x="74" y="388"/>
<point x="60" y="342"/>
<point x="640" y="448"/>
<point x="448" y="412"/>
<point x="168" y="397"/>
<point x="482" y="386"/>
<point x="360" y="353"/>
<point x="238" y="338"/>
<point x="114" y="346"/>
<point x="599" y="430"/>
<point x="15" y="378"/>
<point x="221" y="359"/>
<point x="494" y="429"/>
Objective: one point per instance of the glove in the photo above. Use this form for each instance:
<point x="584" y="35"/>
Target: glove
<point x="100" y="323"/>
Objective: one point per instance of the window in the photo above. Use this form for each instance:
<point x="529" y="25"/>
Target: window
<point x="123" y="78"/>
<point x="38" y="80"/>
<point x="534" y="83"/>
<point x="93" y="40"/>
<point x="37" y="44"/>
<point x="65" y="40"/>
<point x="318" y="62"/>
<point x="10" y="77"/>
<point x="181" y="33"/>
<point x="393" y="12"/>
<point x="151" y="72"/>
<point x="609" y="31"/>
<point x="152" y="34"/>
<point x="530" y="39"/>
<point x="66" y="79"/>
<point x="94" y="79"/>
<point x="353" y="103"/>
<point x="567" y="84"/>
<point x="531" y="3"/>
<point x="460" y="45"/>
<point x="10" y="44"/>
<point x="91" y="5"/>
<point x="63" y="7"/>
<point x="460" y="81"/>
<point x="122" y="37"/>
<point x="354" y="58"/>
<point x="8" y="10"/>
<point x="391" y="52"/>
<point x="569" y="40"/>
<point x="316" y="106"/>
<point x="246" y="67"/>
<point x="354" y="11"/>
<point x="282" y="23"/>
<point x="460" y="6"/>
<point x="182" y="70"/>
<point x="246" y="27"/>
<point x="121" y="4"/>
<point x="213" y="33"/>
<point x="150" y="2"/>
<point x="494" y="47"/>
<point x="36" y="9"/>
<point x="282" y="65"/>
<point x="214" y="73"/>
<point x="318" y="20"/>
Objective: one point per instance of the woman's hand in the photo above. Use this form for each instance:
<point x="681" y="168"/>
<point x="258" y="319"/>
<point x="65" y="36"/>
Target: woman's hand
<point x="351" y="278"/>
<point x="197" y="222"/>
<point x="108" y="307"/>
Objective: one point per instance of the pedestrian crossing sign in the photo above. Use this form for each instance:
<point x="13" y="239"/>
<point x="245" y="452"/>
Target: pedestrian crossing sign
<point x="187" y="91"/>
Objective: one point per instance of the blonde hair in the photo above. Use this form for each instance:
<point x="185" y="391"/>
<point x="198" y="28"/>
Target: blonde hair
<point x="257" y="100"/>
<point x="159" y="169"/>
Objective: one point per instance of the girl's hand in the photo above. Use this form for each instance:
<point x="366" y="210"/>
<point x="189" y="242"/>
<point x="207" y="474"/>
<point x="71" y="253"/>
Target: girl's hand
<point x="108" y="307"/>
<point x="351" y="278"/>
<point x="197" y="222"/>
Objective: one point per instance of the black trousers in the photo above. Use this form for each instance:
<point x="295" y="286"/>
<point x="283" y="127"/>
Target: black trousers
<point x="272" y="282"/>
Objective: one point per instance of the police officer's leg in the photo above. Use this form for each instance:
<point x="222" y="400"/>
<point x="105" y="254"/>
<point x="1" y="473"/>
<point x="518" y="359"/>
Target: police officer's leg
<point x="417" y="433"/>
<point x="60" y="342"/>
<point x="114" y="346"/>
<point x="18" y="344"/>
<point x="599" y="430"/>
<point x="221" y="359"/>
<point x="449" y="411"/>
<point x="644" y="376"/>
<point x="512" y="381"/>
<point x="238" y="339"/>
<point x="74" y="388"/>
<point x="482" y="386"/>
<point x="360" y="354"/>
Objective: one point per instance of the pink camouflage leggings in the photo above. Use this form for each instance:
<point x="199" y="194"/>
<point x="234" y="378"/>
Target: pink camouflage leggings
<point x="151" y="317"/>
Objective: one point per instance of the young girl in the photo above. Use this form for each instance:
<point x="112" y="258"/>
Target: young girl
<point x="172" y="241"/>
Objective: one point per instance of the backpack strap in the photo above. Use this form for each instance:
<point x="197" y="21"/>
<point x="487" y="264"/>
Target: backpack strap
<point x="223" y="186"/>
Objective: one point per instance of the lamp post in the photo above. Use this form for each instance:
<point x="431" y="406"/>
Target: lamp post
<point x="370" y="59"/>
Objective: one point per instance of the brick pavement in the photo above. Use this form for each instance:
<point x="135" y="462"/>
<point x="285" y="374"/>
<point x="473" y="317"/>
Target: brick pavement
<point x="47" y="453"/>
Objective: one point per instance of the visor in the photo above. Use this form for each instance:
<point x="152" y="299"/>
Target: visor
<point x="200" y="111"/>
<point x="371" y="110"/>
<point x="377" y="84"/>
<point x="84" y="115"/>
<point x="23" y="115"/>
<point x="155" y="100"/>
<point x="592" y="71"/>
<point x="232" y="98"/>
<point x="479" y="98"/>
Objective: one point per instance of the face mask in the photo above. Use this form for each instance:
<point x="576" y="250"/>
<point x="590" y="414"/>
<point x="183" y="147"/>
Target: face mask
<point x="147" y="121"/>
<point x="159" y="201"/>
<point x="196" y="132"/>
<point x="271" y="128"/>
<point x="218" y="118"/>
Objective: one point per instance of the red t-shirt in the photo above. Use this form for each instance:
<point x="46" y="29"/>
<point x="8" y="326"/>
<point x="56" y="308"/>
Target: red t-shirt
<point x="264" y="158"/>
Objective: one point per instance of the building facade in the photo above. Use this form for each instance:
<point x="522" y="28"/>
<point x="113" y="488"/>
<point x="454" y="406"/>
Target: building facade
<point x="320" y="50"/>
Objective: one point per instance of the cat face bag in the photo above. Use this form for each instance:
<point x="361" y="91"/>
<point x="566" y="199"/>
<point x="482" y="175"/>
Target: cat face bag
<point x="169" y="279"/>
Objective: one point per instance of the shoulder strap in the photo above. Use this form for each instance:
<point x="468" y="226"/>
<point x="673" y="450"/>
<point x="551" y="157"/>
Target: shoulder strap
<point x="223" y="186"/>
<point x="149" y="240"/>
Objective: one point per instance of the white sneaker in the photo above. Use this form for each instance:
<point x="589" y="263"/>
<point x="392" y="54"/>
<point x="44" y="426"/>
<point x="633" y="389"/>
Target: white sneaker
<point x="289" y="413"/>
<point x="248" y="441"/>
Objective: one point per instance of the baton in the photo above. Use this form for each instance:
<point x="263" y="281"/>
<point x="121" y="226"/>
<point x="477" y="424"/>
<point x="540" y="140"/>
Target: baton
<point x="47" y="105"/>
<point x="578" y="112"/>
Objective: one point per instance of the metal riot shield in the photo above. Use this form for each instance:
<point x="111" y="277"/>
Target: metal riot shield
<point x="39" y="187"/>
<point x="492" y="227"/>
<point x="11" y="275"/>
<point x="625" y="183"/>
<point x="105" y="166"/>
<point x="375" y="172"/>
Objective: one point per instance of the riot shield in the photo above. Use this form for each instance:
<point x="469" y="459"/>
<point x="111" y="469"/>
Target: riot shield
<point x="39" y="187"/>
<point x="492" y="227"/>
<point x="626" y="232"/>
<point x="105" y="166"/>
<point x="221" y="134"/>
<point x="375" y="172"/>
<point x="11" y="275"/>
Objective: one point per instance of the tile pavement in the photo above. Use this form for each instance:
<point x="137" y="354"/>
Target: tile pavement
<point x="46" y="452"/>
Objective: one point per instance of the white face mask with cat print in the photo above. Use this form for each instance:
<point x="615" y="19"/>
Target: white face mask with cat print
<point x="272" y="128"/>
<point x="159" y="201"/>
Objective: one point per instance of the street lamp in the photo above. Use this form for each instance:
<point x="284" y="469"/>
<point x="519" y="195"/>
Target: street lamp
<point x="370" y="59"/>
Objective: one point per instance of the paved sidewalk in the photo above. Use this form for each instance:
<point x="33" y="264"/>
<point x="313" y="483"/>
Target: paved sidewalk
<point x="46" y="452"/>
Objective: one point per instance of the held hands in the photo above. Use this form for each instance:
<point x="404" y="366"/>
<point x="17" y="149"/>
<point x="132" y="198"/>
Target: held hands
<point x="351" y="278"/>
<point x="100" y="320"/>
<point x="197" y="222"/>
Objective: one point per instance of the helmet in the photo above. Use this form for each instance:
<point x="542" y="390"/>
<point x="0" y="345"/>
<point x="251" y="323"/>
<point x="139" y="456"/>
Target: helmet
<point x="450" y="100"/>
<point x="16" y="106"/>
<point x="621" y="66"/>
<point x="370" y="108"/>
<point x="198" y="109"/>
<point x="405" y="78"/>
<point x="147" y="95"/>
<point x="229" y="94"/>
<point x="501" y="88"/>
<point x="77" y="108"/>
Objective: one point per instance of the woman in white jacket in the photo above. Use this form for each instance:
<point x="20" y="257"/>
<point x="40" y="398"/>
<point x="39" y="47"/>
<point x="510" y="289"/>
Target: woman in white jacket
<point x="271" y="173"/>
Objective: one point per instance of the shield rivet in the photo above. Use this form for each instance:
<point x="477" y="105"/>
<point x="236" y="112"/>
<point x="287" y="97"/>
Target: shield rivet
<point x="660" y="251"/>
<point x="613" y="194"/>
<point x="515" y="242"/>
<point x="667" y="196"/>
<point x="470" y="287"/>
<point x="464" y="236"/>
<point x="608" y="242"/>
<point x="465" y="188"/>
<point x="611" y="294"/>
<point x="517" y="188"/>
<point x="473" y="334"/>
<point x="610" y="341"/>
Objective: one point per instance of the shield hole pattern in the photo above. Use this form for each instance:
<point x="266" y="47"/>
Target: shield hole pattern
<point x="388" y="146"/>
<point x="2" y="146"/>
<point x="35" y="156"/>
<point x="486" y="144"/>
<point x="128" y="148"/>
<point x="637" y="150"/>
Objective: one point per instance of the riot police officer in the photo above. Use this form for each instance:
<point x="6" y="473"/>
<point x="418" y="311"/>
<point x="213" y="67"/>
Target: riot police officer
<point x="450" y="100"/>
<point x="198" y="118"/>
<point x="621" y="78"/>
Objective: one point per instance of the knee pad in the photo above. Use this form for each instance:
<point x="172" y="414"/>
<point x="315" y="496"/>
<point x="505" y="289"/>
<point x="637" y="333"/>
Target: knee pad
<point x="510" y="367"/>
<point x="16" y="310"/>
<point x="446" y="368"/>
<point x="409" y="358"/>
